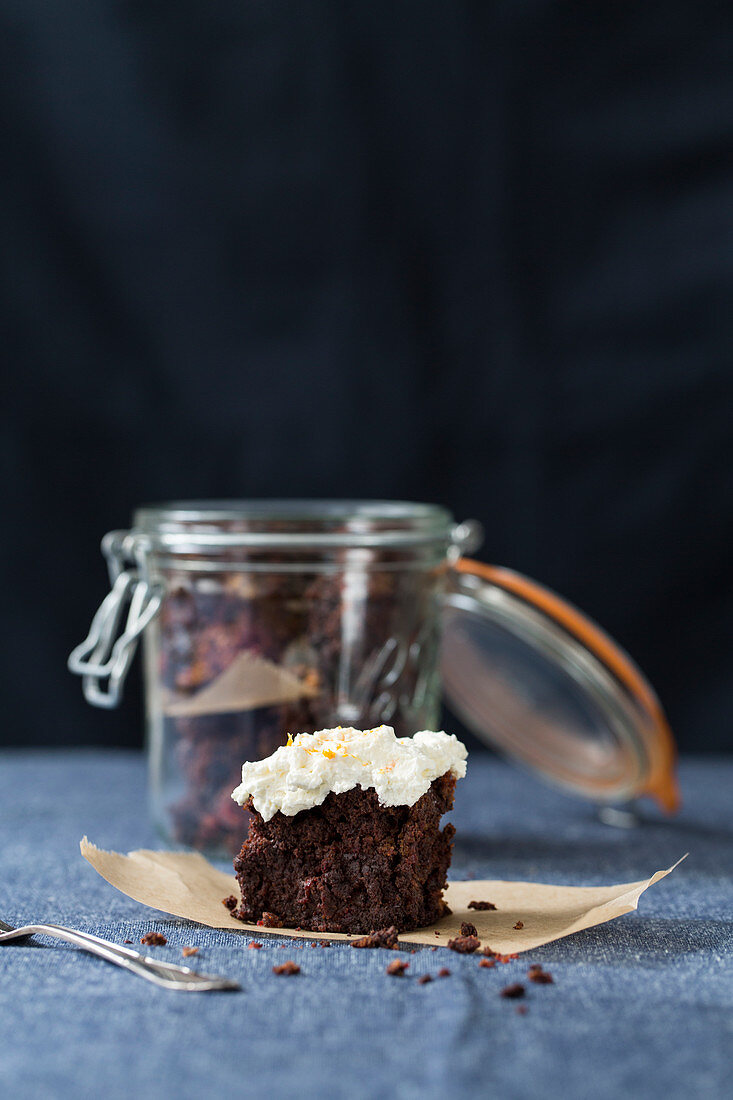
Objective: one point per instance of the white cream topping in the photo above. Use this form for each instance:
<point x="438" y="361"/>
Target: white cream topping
<point x="302" y="773"/>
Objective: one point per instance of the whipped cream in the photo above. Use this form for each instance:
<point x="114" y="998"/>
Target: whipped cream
<point x="302" y="773"/>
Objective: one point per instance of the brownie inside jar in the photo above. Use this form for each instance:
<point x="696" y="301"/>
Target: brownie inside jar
<point x="203" y="629"/>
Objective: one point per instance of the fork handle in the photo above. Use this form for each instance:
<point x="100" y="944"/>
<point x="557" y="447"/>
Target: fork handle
<point x="162" y="974"/>
<point x="90" y="941"/>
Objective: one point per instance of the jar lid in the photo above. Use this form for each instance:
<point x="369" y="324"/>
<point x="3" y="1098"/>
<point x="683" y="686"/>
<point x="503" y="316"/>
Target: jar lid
<point x="532" y="676"/>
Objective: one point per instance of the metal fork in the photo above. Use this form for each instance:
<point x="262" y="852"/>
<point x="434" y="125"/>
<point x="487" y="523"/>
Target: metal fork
<point x="167" y="975"/>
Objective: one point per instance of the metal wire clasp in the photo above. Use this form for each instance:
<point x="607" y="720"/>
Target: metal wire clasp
<point x="105" y="655"/>
<point x="466" y="537"/>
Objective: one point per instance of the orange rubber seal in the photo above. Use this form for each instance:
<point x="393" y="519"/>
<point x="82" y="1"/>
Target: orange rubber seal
<point x="661" y="783"/>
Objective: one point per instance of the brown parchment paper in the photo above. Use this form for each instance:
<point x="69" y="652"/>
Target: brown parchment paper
<point x="185" y="884"/>
<point x="249" y="682"/>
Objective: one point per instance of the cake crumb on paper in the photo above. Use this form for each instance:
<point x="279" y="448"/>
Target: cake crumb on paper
<point x="464" y="945"/>
<point x="384" y="937"/>
<point x="270" y="920"/>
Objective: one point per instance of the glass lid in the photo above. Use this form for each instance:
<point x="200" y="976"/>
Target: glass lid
<point x="534" y="678"/>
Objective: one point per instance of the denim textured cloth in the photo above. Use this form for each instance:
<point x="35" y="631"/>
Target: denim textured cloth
<point x="642" y="1006"/>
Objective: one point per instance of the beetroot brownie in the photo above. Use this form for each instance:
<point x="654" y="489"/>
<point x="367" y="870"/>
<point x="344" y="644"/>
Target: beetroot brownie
<point x="344" y="832"/>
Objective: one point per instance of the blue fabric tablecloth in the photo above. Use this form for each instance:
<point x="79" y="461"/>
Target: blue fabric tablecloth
<point x="640" y="1007"/>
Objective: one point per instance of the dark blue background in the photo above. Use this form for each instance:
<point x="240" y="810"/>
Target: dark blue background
<point x="474" y="253"/>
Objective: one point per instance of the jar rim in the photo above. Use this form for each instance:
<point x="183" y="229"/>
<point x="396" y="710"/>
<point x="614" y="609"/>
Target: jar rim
<point x="294" y="523"/>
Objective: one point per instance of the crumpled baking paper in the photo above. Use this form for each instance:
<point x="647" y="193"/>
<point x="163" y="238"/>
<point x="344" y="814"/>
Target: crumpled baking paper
<point x="184" y="884"/>
<point x="247" y="683"/>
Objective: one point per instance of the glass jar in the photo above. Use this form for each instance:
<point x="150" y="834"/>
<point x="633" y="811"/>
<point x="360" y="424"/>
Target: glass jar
<point x="266" y="618"/>
<point x="274" y="618"/>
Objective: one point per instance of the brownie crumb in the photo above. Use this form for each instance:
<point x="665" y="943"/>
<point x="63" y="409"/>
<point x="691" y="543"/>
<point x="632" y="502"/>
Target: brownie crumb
<point x="288" y="967"/>
<point x="484" y="905"/>
<point x="127" y="941"/>
<point x="486" y="962"/>
<point x="468" y="929"/>
<point x="464" y="945"/>
<point x="513" y="991"/>
<point x="488" y="952"/>
<point x="270" y="920"/>
<point x="154" y="939"/>
<point x="444" y="972"/>
<point x="518" y="925"/>
<point x="385" y="937"/>
<point x="324" y="943"/>
<point x="424" y="979"/>
<point x="521" y="1010"/>
<point x="230" y="902"/>
<point x="397" y="967"/>
<point x="188" y="951"/>
<point x="254" y="946"/>
<point x="540" y="976"/>
<point x="433" y="948"/>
